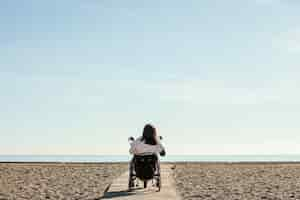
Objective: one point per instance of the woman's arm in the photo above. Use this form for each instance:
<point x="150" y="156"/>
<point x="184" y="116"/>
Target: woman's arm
<point x="162" y="150"/>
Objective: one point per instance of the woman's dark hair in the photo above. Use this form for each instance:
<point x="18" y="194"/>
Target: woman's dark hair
<point x="149" y="135"/>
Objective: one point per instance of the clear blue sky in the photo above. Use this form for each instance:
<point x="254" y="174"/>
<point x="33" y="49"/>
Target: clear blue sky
<point x="214" y="77"/>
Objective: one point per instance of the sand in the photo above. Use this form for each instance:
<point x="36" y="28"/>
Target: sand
<point x="207" y="181"/>
<point x="238" y="181"/>
<point x="56" y="181"/>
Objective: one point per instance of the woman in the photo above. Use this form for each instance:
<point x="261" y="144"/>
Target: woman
<point x="149" y="143"/>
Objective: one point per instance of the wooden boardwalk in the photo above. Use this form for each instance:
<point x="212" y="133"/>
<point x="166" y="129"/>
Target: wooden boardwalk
<point x="119" y="188"/>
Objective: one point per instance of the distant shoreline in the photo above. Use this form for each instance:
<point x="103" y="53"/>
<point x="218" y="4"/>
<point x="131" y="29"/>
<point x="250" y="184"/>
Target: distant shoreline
<point x="168" y="158"/>
<point x="163" y="162"/>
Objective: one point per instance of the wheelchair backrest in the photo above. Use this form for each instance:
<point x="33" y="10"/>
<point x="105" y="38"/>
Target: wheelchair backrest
<point x="145" y="166"/>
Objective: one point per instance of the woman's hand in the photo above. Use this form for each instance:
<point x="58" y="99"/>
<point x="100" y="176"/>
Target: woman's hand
<point x="157" y="140"/>
<point x="162" y="153"/>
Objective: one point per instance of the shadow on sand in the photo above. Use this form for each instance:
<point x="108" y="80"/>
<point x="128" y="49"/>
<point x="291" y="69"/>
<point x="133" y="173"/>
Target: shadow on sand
<point x="114" y="194"/>
<point x="124" y="193"/>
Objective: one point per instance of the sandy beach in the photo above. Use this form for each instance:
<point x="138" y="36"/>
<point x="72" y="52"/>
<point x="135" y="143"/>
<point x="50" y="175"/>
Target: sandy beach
<point x="56" y="181"/>
<point x="238" y="181"/>
<point x="207" y="181"/>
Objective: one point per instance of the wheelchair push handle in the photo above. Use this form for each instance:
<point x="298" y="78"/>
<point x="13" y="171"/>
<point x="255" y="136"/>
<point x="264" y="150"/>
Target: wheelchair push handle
<point x="131" y="139"/>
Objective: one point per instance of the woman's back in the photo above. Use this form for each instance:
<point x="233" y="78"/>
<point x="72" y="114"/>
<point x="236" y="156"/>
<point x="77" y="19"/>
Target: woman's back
<point x="149" y="143"/>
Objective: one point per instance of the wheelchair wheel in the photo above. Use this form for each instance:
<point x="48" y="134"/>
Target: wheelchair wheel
<point x="130" y="185"/>
<point x="145" y="184"/>
<point x="158" y="184"/>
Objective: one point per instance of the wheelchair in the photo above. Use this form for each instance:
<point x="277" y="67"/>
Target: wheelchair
<point x="145" y="168"/>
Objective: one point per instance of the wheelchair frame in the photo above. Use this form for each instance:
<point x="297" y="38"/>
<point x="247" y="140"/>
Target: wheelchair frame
<point x="133" y="179"/>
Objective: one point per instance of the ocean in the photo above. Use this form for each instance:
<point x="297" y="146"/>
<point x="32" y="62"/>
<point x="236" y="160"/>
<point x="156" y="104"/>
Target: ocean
<point x="168" y="158"/>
